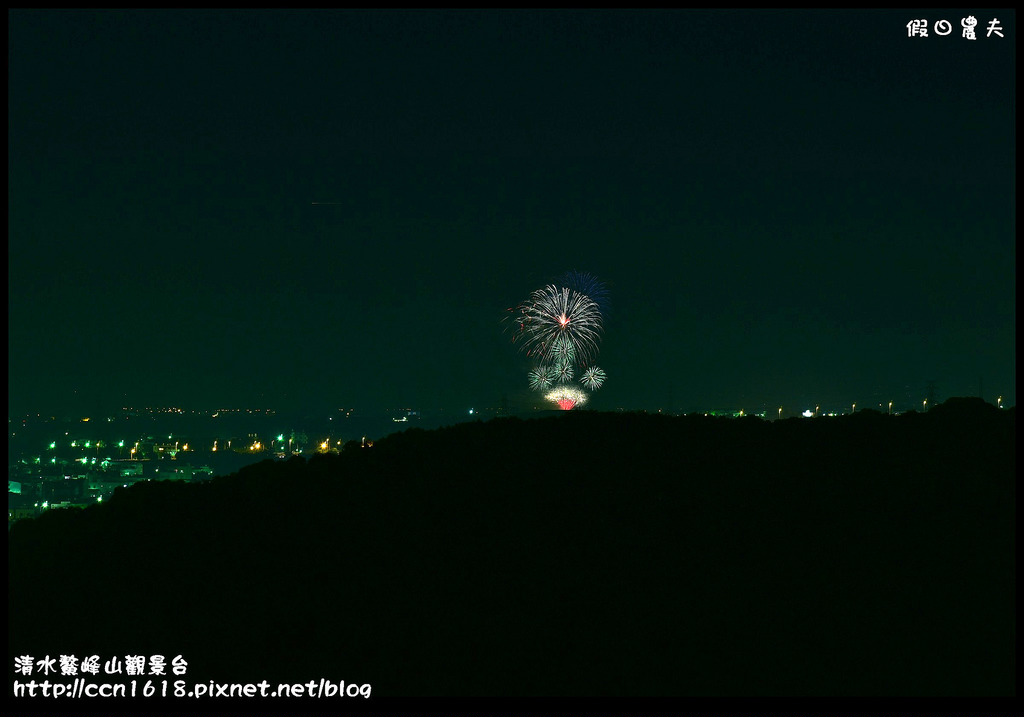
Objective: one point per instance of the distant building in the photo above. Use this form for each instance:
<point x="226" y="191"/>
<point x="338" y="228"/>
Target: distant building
<point x="20" y="513"/>
<point x="69" y="490"/>
<point x="174" y="472"/>
<point x="127" y="469"/>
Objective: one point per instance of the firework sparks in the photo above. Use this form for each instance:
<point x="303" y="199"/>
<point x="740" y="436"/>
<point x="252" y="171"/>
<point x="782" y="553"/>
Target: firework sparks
<point x="567" y="397"/>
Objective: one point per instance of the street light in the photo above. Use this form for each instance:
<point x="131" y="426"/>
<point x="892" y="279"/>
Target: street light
<point x="780" y="411"/>
<point x="890" y="409"/>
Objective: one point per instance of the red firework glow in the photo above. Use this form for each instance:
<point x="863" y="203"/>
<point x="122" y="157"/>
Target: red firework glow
<point x="567" y="397"/>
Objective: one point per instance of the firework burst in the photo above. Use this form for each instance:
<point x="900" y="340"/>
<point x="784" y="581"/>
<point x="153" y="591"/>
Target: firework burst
<point x="555" y="314"/>
<point x="588" y="285"/>
<point x="541" y="378"/>
<point x="593" y="378"/>
<point x="563" y="372"/>
<point x="560" y="328"/>
<point x="563" y="350"/>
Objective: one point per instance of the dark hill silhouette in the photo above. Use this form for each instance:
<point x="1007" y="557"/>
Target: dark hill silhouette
<point x="588" y="554"/>
<point x="965" y="407"/>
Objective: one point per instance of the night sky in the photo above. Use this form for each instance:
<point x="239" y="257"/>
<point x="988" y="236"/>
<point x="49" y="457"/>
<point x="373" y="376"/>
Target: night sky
<point x="291" y="209"/>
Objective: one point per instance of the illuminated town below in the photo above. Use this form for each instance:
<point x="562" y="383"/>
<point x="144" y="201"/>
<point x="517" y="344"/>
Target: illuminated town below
<point x="60" y="462"/>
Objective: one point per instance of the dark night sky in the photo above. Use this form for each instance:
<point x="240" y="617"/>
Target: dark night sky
<point x="787" y="207"/>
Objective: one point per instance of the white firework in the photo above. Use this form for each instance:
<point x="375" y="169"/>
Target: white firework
<point x="593" y="378"/>
<point x="554" y="313"/>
